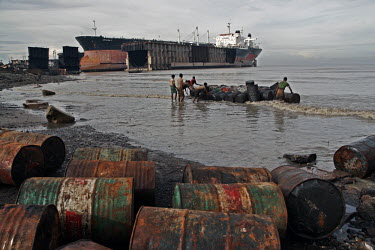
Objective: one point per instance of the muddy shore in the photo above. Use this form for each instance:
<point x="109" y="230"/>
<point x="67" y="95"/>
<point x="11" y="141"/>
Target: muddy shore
<point x="169" y="167"/>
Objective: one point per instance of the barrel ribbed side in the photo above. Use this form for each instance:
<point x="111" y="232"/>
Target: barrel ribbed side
<point x="82" y="168"/>
<point x="225" y="175"/>
<point x="39" y="191"/>
<point x="112" y="210"/>
<point x="164" y="228"/>
<point x="110" y="154"/>
<point x="262" y="198"/>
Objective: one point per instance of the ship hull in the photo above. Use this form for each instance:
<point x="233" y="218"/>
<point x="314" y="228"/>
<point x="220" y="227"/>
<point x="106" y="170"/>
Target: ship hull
<point x="103" y="60"/>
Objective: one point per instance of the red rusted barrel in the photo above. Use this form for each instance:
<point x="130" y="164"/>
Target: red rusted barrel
<point x="315" y="206"/>
<point x="357" y="158"/>
<point x="100" y="209"/>
<point x="29" y="227"/>
<point x="166" y="228"/>
<point x="143" y="173"/>
<point x="19" y="162"/>
<point x="52" y="146"/>
<point x="262" y="198"/>
<point x="225" y="175"/>
<point x="110" y="154"/>
<point x="83" y="245"/>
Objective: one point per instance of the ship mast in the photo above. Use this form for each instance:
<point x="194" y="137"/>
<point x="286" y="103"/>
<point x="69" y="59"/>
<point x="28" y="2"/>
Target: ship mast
<point x="208" y="36"/>
<point x="179" y="36"/>
<point x="94" y="28"/>
<point x="229" y="27"/>
<point x="197" y="35"/>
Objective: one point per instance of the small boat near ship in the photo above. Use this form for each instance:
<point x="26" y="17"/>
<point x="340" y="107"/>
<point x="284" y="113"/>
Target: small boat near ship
<point x="138" y="55"/>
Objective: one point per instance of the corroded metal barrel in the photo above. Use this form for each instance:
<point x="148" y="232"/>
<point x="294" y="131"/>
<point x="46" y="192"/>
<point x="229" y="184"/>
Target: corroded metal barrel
<point x="165" y="228"/>
<point x="29" y="227"/>
<point x="262" y="198"/>
<point x="143" y="173"/>
<point x="224" y="175"/>
<point x="110" y="154"/>
<point x="357" y="158"/>
<point x="315" y="206"/>
<point x="52" y="146"/>
<point x="19" y="162"/>
<point x="90" y="208"/>
<point x="83" y="245"/>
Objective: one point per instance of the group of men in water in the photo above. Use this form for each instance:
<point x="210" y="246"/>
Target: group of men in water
<point x="180" y="89"/>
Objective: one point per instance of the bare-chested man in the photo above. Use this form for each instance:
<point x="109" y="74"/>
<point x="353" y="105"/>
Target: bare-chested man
<point x="172" y="84"/>
<point x="180" y="88"/>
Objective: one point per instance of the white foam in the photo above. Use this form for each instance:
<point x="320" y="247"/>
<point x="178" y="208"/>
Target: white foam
<point x="313" y="110"/>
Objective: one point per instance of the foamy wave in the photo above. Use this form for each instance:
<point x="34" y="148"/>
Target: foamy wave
<point x="312" y="110"/>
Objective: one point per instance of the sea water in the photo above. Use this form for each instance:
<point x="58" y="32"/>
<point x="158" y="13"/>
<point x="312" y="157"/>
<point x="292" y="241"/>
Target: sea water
<point x="337" y="107"/>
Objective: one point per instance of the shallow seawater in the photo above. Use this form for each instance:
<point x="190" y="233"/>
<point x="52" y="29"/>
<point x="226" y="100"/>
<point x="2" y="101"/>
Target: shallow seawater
<point x="337" y="107"/>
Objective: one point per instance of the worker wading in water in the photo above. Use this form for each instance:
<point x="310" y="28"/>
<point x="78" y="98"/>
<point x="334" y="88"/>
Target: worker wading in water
<point x="280" y="95"/>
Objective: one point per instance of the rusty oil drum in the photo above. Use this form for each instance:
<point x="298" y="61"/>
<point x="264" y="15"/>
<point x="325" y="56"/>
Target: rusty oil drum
<point x="224" y="175"/>
<point x="83" y="245"/>
<point x="29" y="227"/>
<point x="262" y="198"/>
<point x="143" y="173"/>
<point x="19" y="162"/>
<point x="52" y="146"/>
<point x="315" y="207"/>
<point x="90" y="208"/>
<point x="357" y="158"/>
<point x="166" y="228"/>
<point x="110" y="154"/>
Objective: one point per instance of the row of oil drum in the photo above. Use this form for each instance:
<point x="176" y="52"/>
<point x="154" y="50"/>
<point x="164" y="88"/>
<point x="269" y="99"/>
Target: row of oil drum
<point x="25" y="155"/>
<point x="241" y="94"/>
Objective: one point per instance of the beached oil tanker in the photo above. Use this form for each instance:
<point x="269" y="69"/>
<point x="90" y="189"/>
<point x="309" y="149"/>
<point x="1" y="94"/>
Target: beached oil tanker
<point x="105" y="54"/>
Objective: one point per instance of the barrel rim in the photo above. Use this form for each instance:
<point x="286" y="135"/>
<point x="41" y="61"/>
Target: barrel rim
<point x="59" y="139"/>
<point x="43" y="216"/>
<point x="38" y="148"/>
<point x="342" y="212"/>
<point x="358" y="153"/>
<point x="135" y="224"/>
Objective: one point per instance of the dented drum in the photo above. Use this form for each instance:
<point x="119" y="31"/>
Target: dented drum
<point x="357" y="158"/>
<point x="315" y="206"/>
<point x="19" y="162"/>
<point x="110" y="154"/>
<point x="165" y="228"/>
<point x="224" y="175"/>
<point x="262" y="198"/>
<point x="52" y="146"/>
<point x="29" y="227"/>
<point x="90" y="208"/>
<point x="143" y="173"/>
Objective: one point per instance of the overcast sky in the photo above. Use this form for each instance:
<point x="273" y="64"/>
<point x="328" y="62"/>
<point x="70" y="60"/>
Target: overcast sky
<point x="289" y="31"/>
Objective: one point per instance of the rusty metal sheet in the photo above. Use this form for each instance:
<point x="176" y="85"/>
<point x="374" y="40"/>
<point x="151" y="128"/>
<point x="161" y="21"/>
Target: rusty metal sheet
<point x="19" y="162"/>
<point x="165" y="228"/>
<point x="110" y="154"/>
<point x="315" y="207"/>
<point x="357" y="158"/>
<point x="52" y="146"/>
<point x="262" y="198"/>
<point x="225" y="175"/>
<point x="83" y="245"/>
<point x="29" y="227"/>
<point x="96" y="208"/>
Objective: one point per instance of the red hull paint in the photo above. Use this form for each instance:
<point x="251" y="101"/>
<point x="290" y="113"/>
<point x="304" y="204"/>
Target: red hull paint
<point x="103" y="60"/>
